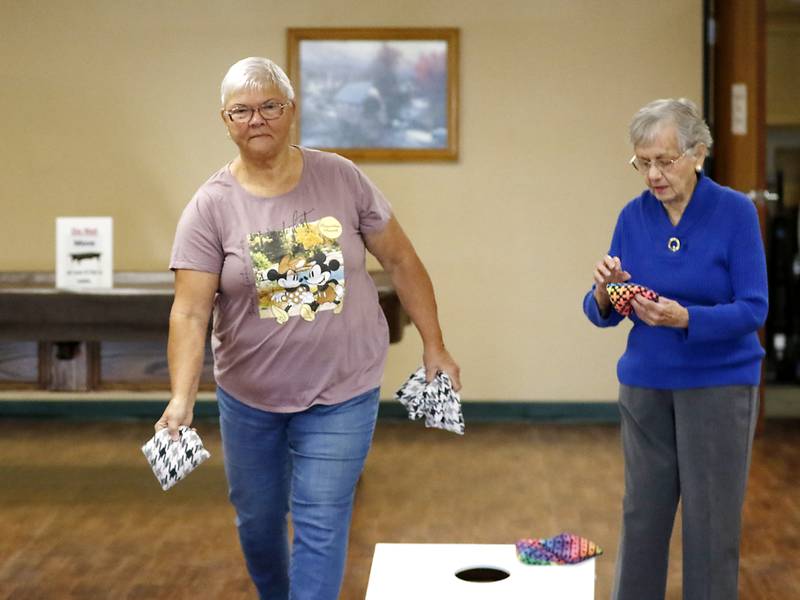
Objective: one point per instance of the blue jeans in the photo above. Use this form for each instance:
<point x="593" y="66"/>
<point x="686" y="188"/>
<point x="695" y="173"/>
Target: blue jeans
<point x="308" y="463"/>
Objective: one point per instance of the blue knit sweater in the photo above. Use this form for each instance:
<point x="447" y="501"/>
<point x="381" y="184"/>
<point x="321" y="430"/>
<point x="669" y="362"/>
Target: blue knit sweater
<point x="719" y="274"/>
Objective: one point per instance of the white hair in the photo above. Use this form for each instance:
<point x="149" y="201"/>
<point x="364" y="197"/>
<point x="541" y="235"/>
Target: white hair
<point x="681" y="113"/>
<point x="254" y="73"/>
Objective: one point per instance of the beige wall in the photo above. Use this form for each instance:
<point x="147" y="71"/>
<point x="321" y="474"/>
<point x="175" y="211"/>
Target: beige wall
<point x="110" y="108"/>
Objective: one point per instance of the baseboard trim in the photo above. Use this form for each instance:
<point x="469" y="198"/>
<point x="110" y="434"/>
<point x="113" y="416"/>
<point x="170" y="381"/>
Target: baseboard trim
<point x="781" y="402"/>
<point x="95" y="410"/>
<point x="121" y="408"/>
<point x="561" y="412"/>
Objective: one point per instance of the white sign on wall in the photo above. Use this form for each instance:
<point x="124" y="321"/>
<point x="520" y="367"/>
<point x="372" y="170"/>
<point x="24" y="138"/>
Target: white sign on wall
<point x="739" y="109"/>
<point x="84" y="252"/>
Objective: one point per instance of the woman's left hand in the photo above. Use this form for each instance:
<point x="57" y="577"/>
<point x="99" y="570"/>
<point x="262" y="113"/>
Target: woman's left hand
<point x="664" y="313"/>
<point x="439" y="359"/>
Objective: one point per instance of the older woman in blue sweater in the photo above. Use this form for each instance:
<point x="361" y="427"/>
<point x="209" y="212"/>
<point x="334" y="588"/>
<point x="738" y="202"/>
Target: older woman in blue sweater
<point x="690" y="373"/>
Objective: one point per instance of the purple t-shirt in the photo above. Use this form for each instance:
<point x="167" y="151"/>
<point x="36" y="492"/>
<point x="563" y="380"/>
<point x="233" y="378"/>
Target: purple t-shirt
<point x="296" y="320"/>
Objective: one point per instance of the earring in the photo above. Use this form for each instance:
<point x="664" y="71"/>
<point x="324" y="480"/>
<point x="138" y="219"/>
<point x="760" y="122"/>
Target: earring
<point x="698" y="168"/>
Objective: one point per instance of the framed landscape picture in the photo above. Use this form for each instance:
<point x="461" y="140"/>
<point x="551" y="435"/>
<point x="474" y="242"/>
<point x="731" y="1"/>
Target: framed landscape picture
<point x="376" y="93"/>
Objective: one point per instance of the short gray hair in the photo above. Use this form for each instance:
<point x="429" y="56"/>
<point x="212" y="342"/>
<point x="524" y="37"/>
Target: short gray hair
<point x="681" y="113"/>
<point x="254" y="73"/>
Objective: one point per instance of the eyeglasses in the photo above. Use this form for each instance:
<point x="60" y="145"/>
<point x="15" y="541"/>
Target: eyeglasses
<point x="664" y="166"/>
<point x="269" y="111"/>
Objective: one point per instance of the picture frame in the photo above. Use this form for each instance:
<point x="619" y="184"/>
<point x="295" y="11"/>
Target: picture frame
<point x="376" y="94"/>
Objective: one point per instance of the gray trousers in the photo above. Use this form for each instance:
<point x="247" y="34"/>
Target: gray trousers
<point x="691" y="445"/>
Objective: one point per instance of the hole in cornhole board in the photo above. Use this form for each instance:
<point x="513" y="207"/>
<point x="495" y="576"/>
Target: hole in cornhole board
<point x="482" y="574"/>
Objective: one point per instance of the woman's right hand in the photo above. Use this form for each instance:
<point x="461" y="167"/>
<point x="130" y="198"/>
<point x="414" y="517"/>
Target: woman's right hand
<point x="177" y="413"/>
<point x="607" y="270"/>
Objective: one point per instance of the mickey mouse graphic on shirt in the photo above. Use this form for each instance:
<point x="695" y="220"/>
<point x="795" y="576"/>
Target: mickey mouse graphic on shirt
<point x="305" y="284"/>
<point x="299" y="270"/>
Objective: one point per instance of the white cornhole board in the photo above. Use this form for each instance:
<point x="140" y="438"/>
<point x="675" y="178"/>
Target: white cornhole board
<point x="427" y="572"/>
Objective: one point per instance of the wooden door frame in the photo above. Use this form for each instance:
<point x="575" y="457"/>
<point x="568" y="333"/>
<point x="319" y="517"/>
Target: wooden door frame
<point x="738" y="161"/>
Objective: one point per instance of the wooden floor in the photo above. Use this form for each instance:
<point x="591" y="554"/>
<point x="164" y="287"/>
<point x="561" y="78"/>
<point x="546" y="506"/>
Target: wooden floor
<point x="81" y="515"/>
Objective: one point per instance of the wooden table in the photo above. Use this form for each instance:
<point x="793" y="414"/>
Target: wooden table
<point x="70" y="322"/>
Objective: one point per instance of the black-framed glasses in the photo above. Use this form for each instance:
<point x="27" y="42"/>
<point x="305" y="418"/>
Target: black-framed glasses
<point x="662" y="165"/>
<point x="269" y="111"/>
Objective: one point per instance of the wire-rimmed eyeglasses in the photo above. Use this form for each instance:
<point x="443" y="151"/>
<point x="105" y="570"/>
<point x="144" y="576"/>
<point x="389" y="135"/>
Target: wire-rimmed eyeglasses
<point x="663" y="165"/>
<point x="269" y="111"/>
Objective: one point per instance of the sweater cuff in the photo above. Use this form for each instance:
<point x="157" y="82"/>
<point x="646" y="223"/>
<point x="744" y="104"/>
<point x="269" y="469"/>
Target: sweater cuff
<point x="594" y="314"/>
<point x="698" y="329"/>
